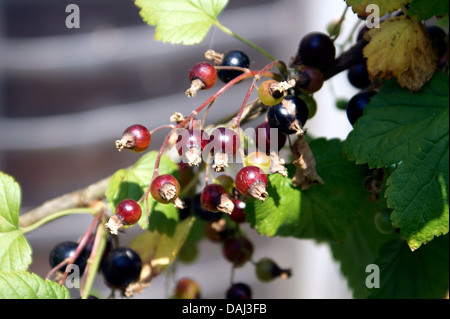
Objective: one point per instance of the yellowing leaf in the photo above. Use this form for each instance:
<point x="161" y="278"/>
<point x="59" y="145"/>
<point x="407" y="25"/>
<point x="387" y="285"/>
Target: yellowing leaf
<point x="359" y="6"/>
<point x="400" y="48"/>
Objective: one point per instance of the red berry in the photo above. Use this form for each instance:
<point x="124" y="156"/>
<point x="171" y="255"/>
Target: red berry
<point x="190" y="144"/>
<point x="214" y="198"/>
<point x="309" y="79"/>
<point x="165" y="189"/>
<point x="136" y="138"/>
<point x="203" y="76"/>
<point x="187" y="288"/>
<point x="128" y="212"/>
<point x="263" y="138"/>
<point x="252" y="181"/>
<point x="224" y="140"/>
<point x="238" y="250"/>
<point x="238" y="215"/>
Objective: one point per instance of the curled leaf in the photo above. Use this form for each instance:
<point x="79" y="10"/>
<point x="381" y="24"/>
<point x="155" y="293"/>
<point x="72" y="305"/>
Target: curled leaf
<point x="400" y="48"/>
<point x="305" y="174"/>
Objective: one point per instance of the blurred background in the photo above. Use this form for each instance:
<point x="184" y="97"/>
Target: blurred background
<point x="67" y="94"/>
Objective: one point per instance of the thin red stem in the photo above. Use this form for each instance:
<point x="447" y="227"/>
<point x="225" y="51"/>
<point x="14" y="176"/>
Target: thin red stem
<point x="171" y="126"/>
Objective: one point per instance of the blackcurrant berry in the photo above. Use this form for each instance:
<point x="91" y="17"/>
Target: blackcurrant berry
<point x="214" y="198"/>
<point x="121" y="267"/>
<point x="224" y="142"/>
<point x="270" y="92"/>
<point x="65" y="250"/>
<point x="267" y="270"/>
<point x="239" y="291"/>
<point x="203" y="76"/>
<point x="438" y="36"/>
<point x="165" y="189"/>
<point x="233" y="58"/>
<point x="190" y="144"/>
<point x="251" y="181"/>
<point x="187" y="288"/>
<point x="358" y="76"/>
<point x="201" y="212"/>
<point x="309" y="79"/>
<point x="128" y="212"/>
<point x="356" y="106"/>
<point x="263" y="138"/>
<point x="237" y="250"/>
<point x="238" y="215"/>
<point x="289" y="116"/>
<point x="258" y="159"/>
<point x="317" y="49"/>
<point x="136" y="138"/>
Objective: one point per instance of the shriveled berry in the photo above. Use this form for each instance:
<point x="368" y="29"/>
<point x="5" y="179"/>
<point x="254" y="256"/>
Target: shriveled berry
<point x="237" y="250"/>
<point x="165" y="189"/>
<point x="251" y="181"/>
<point x="239" y="291"/>
<point x="214" y="198"/>
<point x="136" y="138"/>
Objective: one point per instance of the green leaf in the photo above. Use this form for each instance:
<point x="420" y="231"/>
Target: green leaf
<point x="426" y="9"/>
<point x="407" y="275"/>
<point x="181" y="21"/>
<point x="364" y="241"/>
<point x="412" y="129"/>
<point x="25" y="285"/>
<point x="132" y="183"/>
<point x="323" y="212"/>
<point x="15" y="252"/>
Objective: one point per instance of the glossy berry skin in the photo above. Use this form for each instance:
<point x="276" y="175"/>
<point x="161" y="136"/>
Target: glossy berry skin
<point x="356" y="106"/>
<point x="358" y="76"/>
<point x="227" y="182"/>
<point x="238" y="215"/>
<point x="291" y="114"/>
<point x="224" y="140"/>
<point x="237" y="250"/>
<point x="239" y="291"/>
<point x="309" y="79"/>
<point x="202" y="212"/>
<point x="192" y="138"/>
<point x="158" y="186"/>
<point x="129" y="211"/>
<point x="187" y="288"/>
<point x="139" y="136"/>
<point x="317" y="49"/>
<point x="121" y="267"/>
<point x="235" y="58"/>
<point x="247" y="177"/>
<point x="268" y="95"/>
<point x="65" y="250"/>
<point x="211" y="195"/>
<point x="205" y="72"/>
<point x="263" y="138"/>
